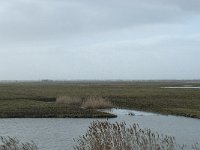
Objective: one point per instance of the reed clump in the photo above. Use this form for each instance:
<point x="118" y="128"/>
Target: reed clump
<point x="69" y="100"/>
<point x="90" y="102"/>
<point x="96" y="103"/>
<point x="117" y="136"/>
<point x="9" y="143"/>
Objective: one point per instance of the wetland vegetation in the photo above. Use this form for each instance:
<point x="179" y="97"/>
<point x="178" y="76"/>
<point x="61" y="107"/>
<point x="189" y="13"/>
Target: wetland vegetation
<point x="9" y="143"/>
<point x="44" y="99"/>
<point x="119" y="136"/>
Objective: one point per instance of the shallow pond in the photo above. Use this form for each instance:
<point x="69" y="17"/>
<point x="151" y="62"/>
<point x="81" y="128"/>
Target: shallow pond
<point x="181" y="87"/>
<point x="58" y="134"/>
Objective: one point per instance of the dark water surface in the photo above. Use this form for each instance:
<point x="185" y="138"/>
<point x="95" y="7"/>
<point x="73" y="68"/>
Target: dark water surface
<point x="58" y="134"/>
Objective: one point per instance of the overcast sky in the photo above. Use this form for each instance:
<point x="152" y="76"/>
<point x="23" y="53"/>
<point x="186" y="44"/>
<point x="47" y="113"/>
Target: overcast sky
<point x="99" y="39"/>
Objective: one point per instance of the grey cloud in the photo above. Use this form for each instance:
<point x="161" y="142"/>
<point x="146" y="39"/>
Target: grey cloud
<point x="99" y="39"/>
<point x="185" y="5"/>
<point x="40" y="20"/>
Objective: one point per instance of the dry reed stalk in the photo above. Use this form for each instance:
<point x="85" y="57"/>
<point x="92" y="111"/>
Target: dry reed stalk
<point x="9" y="143"/>
<point x="117" y="136"/>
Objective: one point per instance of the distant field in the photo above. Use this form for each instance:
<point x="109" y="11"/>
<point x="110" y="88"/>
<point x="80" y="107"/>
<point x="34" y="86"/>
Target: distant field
<point x="36" y="99"/>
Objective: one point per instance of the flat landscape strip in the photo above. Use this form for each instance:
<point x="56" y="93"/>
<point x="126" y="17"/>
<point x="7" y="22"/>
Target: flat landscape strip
<point x="37" y="99"/>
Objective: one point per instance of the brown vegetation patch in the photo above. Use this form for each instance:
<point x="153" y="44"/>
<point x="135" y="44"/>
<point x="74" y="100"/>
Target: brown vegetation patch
<point x="68" y="100"/>
<point x="90" y="102"/>
<point x="96" y="103"/>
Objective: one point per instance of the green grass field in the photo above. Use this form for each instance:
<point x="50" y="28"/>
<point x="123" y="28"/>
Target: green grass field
<point x="36" y="99"/>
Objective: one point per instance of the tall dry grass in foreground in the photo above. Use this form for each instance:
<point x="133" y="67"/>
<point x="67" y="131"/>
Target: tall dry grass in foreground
<point x="117" y="136"/>
<point x="8" y="143"/>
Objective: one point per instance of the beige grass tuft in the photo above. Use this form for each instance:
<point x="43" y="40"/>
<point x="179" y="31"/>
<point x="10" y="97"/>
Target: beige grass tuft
<point x="97" y="103"/>
<point x="68" y="100"/>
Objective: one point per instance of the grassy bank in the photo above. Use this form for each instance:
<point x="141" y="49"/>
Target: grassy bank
<point x="37" y="109"/>
<point x="38" y="99"/>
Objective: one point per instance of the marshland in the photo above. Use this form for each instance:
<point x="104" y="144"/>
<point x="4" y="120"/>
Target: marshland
<point x="67" y="99"/>
<point x="71" y="106"/>
<point x="99" y="75"/>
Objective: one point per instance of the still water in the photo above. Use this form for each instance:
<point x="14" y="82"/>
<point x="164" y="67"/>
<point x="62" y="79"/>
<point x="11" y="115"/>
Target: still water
<point x="58" y="134"/>
<point x="181" y="87"/>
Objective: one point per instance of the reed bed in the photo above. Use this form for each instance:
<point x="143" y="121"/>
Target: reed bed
<point x="69" y="100"/>
<point x="89" y="102"/>
<point x="117" y="136"/>
<point x="9" y="143"/>
<point x="96" y="103"/>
